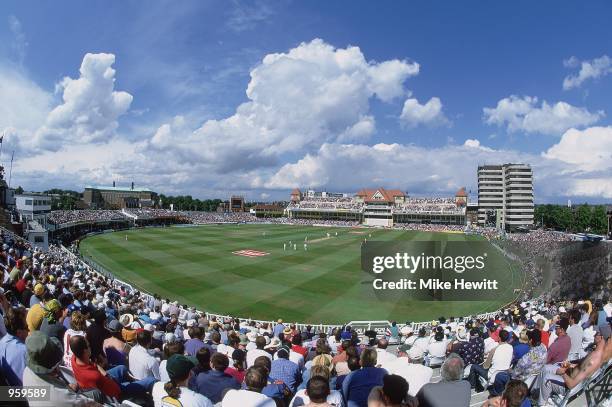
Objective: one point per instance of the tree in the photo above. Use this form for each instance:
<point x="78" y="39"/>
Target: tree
<point x="564" y="218"/>
<point x="582" y="218"/>
<point x="599" y="220"/>
<point x="18" y="190"/>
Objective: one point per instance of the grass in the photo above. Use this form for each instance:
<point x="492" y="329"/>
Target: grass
<point x="324" y="284"/>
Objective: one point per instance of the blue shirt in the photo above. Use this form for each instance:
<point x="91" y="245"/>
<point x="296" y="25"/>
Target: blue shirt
<point x="358" y="384"/>
<point x="278" y="329"/>
<point x="12" y="359"/>
<point x="34" y="300"/>
<point x="192" y="346"/>
<point x="602" y="318"/>
<point x="287" y="371"/>
<point x="520" y="349"/>
<point x="275" y="390"/>
<point x="212" y="384"/>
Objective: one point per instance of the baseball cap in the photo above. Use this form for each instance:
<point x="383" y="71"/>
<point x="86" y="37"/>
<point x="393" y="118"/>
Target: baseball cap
<point x="178" y="366"/>
<point x="44" y="353"/>
<point x="283" y="351"/>
<point x="72" y="308"/>
<point x="39" y="289"/>
<point x="238" y="355"/>
<point x="114" y="325"/>
<point x="53" y="306"/>
<point x="244" y="340"/>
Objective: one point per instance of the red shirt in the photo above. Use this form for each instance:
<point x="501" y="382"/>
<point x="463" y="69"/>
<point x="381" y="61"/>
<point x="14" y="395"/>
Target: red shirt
<point x="545" y="336"/>
<point x="558" y="350"/>
<point x="236" y="374"/>
<point x="89" y="377"/>
<point x="300" y="349"/>
<point x="20" y="285"/>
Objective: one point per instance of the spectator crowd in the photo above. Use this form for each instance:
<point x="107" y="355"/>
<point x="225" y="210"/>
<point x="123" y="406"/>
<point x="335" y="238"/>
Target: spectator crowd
<point x="94" y="340"/>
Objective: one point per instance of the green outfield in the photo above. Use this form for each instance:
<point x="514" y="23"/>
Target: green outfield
<point x="324" y="284"/>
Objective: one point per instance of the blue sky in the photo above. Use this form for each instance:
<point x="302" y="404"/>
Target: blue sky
<point x="211" y="98"/>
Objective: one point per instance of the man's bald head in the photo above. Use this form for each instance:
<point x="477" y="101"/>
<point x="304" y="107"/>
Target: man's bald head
<point x="383" y="343"/>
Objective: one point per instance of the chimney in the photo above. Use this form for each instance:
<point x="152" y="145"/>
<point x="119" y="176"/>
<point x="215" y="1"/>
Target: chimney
<point x="132" y="185"/>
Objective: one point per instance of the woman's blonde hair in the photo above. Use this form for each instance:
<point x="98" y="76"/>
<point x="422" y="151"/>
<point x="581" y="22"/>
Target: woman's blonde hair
<point x="320" y="370"/>
<point x="322" y="360"/>
<point x="78" y="321"/>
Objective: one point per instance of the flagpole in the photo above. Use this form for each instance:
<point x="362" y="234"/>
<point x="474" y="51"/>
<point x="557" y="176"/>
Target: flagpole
<point x="11" y="171"/>
<point x="1" y="144"/>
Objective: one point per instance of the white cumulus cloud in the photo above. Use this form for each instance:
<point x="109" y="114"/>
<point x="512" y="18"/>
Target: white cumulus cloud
<point x="90" y="109"/>
<point x="429" y="113"/>
<point x="297" y="100"/>
<point x="523" y="114"/>
<point x="589" y="69"/>
<point x="23" y="104"/>
<point x="589" y="149"/>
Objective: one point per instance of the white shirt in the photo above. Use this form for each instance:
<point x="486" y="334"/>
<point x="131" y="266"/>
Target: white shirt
<point x="224" y="349"/>
<point x="416" y="375"/>
<point x="417" y="351"/>
<point x="246" y="398"/>
<point x="410" y="340"/>
<point x="163" y="373"/>
<point x="58" y="396"/>
<point x="331" y="341"/>
<point x="142" y="364"/>
<point x="254" y="354"/>
<point x="334" y="399"/>
<point x="67" y="351"/>
<point x="489" y="345"/>
<point x="608" y="309"/>
<point x="501" y="360"/>
<point x="575" y="332"/>
<point x="297" y="358"/>
<point x="437" y="352"/>
<point x="588" y="337"/>
<point x="383" y="357"/>
<point x="165" y="308"/>
<point x="437" y="349"/>
<point x="187" y="397"/>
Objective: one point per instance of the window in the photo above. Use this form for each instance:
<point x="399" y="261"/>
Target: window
<point x="39" y="239"/>
<point x="28" y="202"/>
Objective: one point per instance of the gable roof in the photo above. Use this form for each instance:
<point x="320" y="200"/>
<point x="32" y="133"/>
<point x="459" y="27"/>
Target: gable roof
<point x="295" y="191"/>
<point x="387" y="194"/>
<point x="461" y="192"/>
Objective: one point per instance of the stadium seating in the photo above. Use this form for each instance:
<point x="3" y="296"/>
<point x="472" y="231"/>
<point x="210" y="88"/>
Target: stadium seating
<point x="31" y="277"/>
